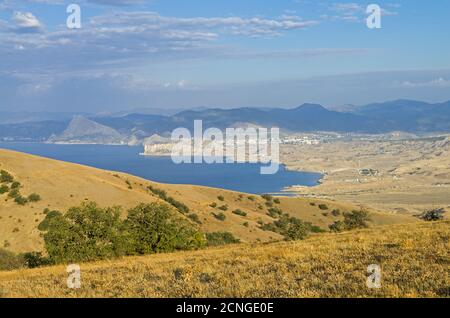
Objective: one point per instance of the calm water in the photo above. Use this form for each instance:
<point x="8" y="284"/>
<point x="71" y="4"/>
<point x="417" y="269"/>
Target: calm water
<point x="238" y="177"/>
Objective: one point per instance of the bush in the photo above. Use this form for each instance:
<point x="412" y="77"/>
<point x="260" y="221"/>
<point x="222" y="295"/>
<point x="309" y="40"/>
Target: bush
<point x="34" y="259"/>
<point x="13" y="193"/>
<point x="163" y="195"/>
<point x="251" y="198"/>
<point x="221" y="238"/>
<point x="275" y="212"/>
<point x="9" y="260"/>
<point x="220" y="216"/>
<point x="88" y="232"/>
<point x="352" y="220"/>
<point x="356" y="219"/>
<point x="43" y="226"/>
<point x="153" y="228"/>
<point x="291" y="228"/>
<point x="239" y="212"/>
<point x="213" y="205"/>
<point x="223" y="207"/>
<point x="269" y="204"/>
<point x="338" y="226"/>
<point x="6" y="177"/>
<point x="432" y="215"/>
<point x="20" y="200"/>
<point x="4" y="188"/>
<point x="336" y="212"/>
<point x="15" y="185"/>
<point x="194" y="217"/>
<point x="323" y="206"/>
<point x="85" y="233"/>
<point x="267" y="197"/>
<point x="221" y="198"/>
<point x="34" y="197"/>
<point x="276" y="200"/>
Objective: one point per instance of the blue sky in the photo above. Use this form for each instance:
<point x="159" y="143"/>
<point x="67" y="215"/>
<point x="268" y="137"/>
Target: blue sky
<point x="223" y="53"/>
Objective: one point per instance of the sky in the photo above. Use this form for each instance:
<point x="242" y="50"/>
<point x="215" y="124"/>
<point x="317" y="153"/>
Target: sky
<point x="135" y="54"/>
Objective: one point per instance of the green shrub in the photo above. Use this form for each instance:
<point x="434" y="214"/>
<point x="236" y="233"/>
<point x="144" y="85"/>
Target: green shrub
<point x="85" y="233"/>
<point x="223" y="208"/>
<point x="213" y="205"/>
<point x="4" y="189"/>
<point x="163" y="195"/>
<point x="34" y="197"/>
<point x="20" y="200"/>
<point x="337" y="226"/>
<point x="432" y="215"/>
<point x="246" y="224"/>
<point x="291" y="228"/>
<point x="267" y="197"/>
<point x="352" y="220"/>
<point x="220" y="216"/>
<point x="221" y="238"/>
<point x="269" y="204"/>
<point x="323" y="206"/>
<point x="251" y="198"/>
<point x="9" y="260"/>
<point x="43" y="226"/>
<point x="194" y="217"/>
<point x="153" y="228"/>
<point x="276" y="200"/>
<point x="239" y="212"/>
<point x="6" y="177"/>
<point x="13" y="193"/>
<point x="275" y="212"/>
<point x="34" y="259"/>
<point x="336" y="212"/>
<point x="15" y="185"/>
<point x="221" y="198"/>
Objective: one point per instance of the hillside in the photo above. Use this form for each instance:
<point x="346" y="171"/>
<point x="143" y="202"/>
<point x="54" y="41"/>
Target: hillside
<point x="62" y="185"/>
<point x="414" y="260"/>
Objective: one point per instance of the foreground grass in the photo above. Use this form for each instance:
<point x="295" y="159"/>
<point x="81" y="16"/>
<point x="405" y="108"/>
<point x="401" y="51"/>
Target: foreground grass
<point x="415" y="262"/>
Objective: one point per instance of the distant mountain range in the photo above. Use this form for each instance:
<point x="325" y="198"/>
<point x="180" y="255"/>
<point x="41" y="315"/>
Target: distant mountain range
<point x="400" y="115"/>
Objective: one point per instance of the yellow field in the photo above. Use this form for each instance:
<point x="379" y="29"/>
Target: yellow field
<point x="414" y="258"/>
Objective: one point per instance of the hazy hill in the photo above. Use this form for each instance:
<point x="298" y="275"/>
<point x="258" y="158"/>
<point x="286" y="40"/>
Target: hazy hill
<point x="401" y="115"/>
<point x="83" y="130"/>
<point x="62" y="185"/>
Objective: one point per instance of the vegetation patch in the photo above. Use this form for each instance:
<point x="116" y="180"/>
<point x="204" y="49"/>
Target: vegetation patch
<point x="181" y="207"/>
<point x="88" y="233"/>
<point x="239" y="212"/>
<point x="352" y="220"/>
<point x="221" y="238"/>
<point x="291" y="228"/>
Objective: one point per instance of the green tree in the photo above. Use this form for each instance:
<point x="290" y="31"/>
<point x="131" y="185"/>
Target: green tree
<point x="6" y="177"/>
<point x="154" y="228"/>
<point x="85" y="233"/>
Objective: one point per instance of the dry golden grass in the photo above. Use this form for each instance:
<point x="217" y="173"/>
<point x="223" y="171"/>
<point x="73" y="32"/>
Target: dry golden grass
<point x="415" y="262"/>
<point x="63" y="185"/>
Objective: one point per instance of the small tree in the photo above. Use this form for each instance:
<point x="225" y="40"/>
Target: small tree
<point x="153" y="228"/>
<point x="432" y="215"/>
<point x="85" y="233"/>
<point x="34" y="197"/>
<point x="6" y="177"/>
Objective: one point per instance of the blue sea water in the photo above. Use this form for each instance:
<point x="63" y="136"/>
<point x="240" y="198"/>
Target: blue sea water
<point x="238" y="177"/>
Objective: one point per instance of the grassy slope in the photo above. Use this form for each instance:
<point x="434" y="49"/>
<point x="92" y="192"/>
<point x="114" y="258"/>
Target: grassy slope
<point x="414" y="259"/>
<point x="62" y="185"/>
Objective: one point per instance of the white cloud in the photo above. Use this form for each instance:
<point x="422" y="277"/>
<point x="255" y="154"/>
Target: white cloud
<point x="25" y="22"/>
<point x="438" y="82"/>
